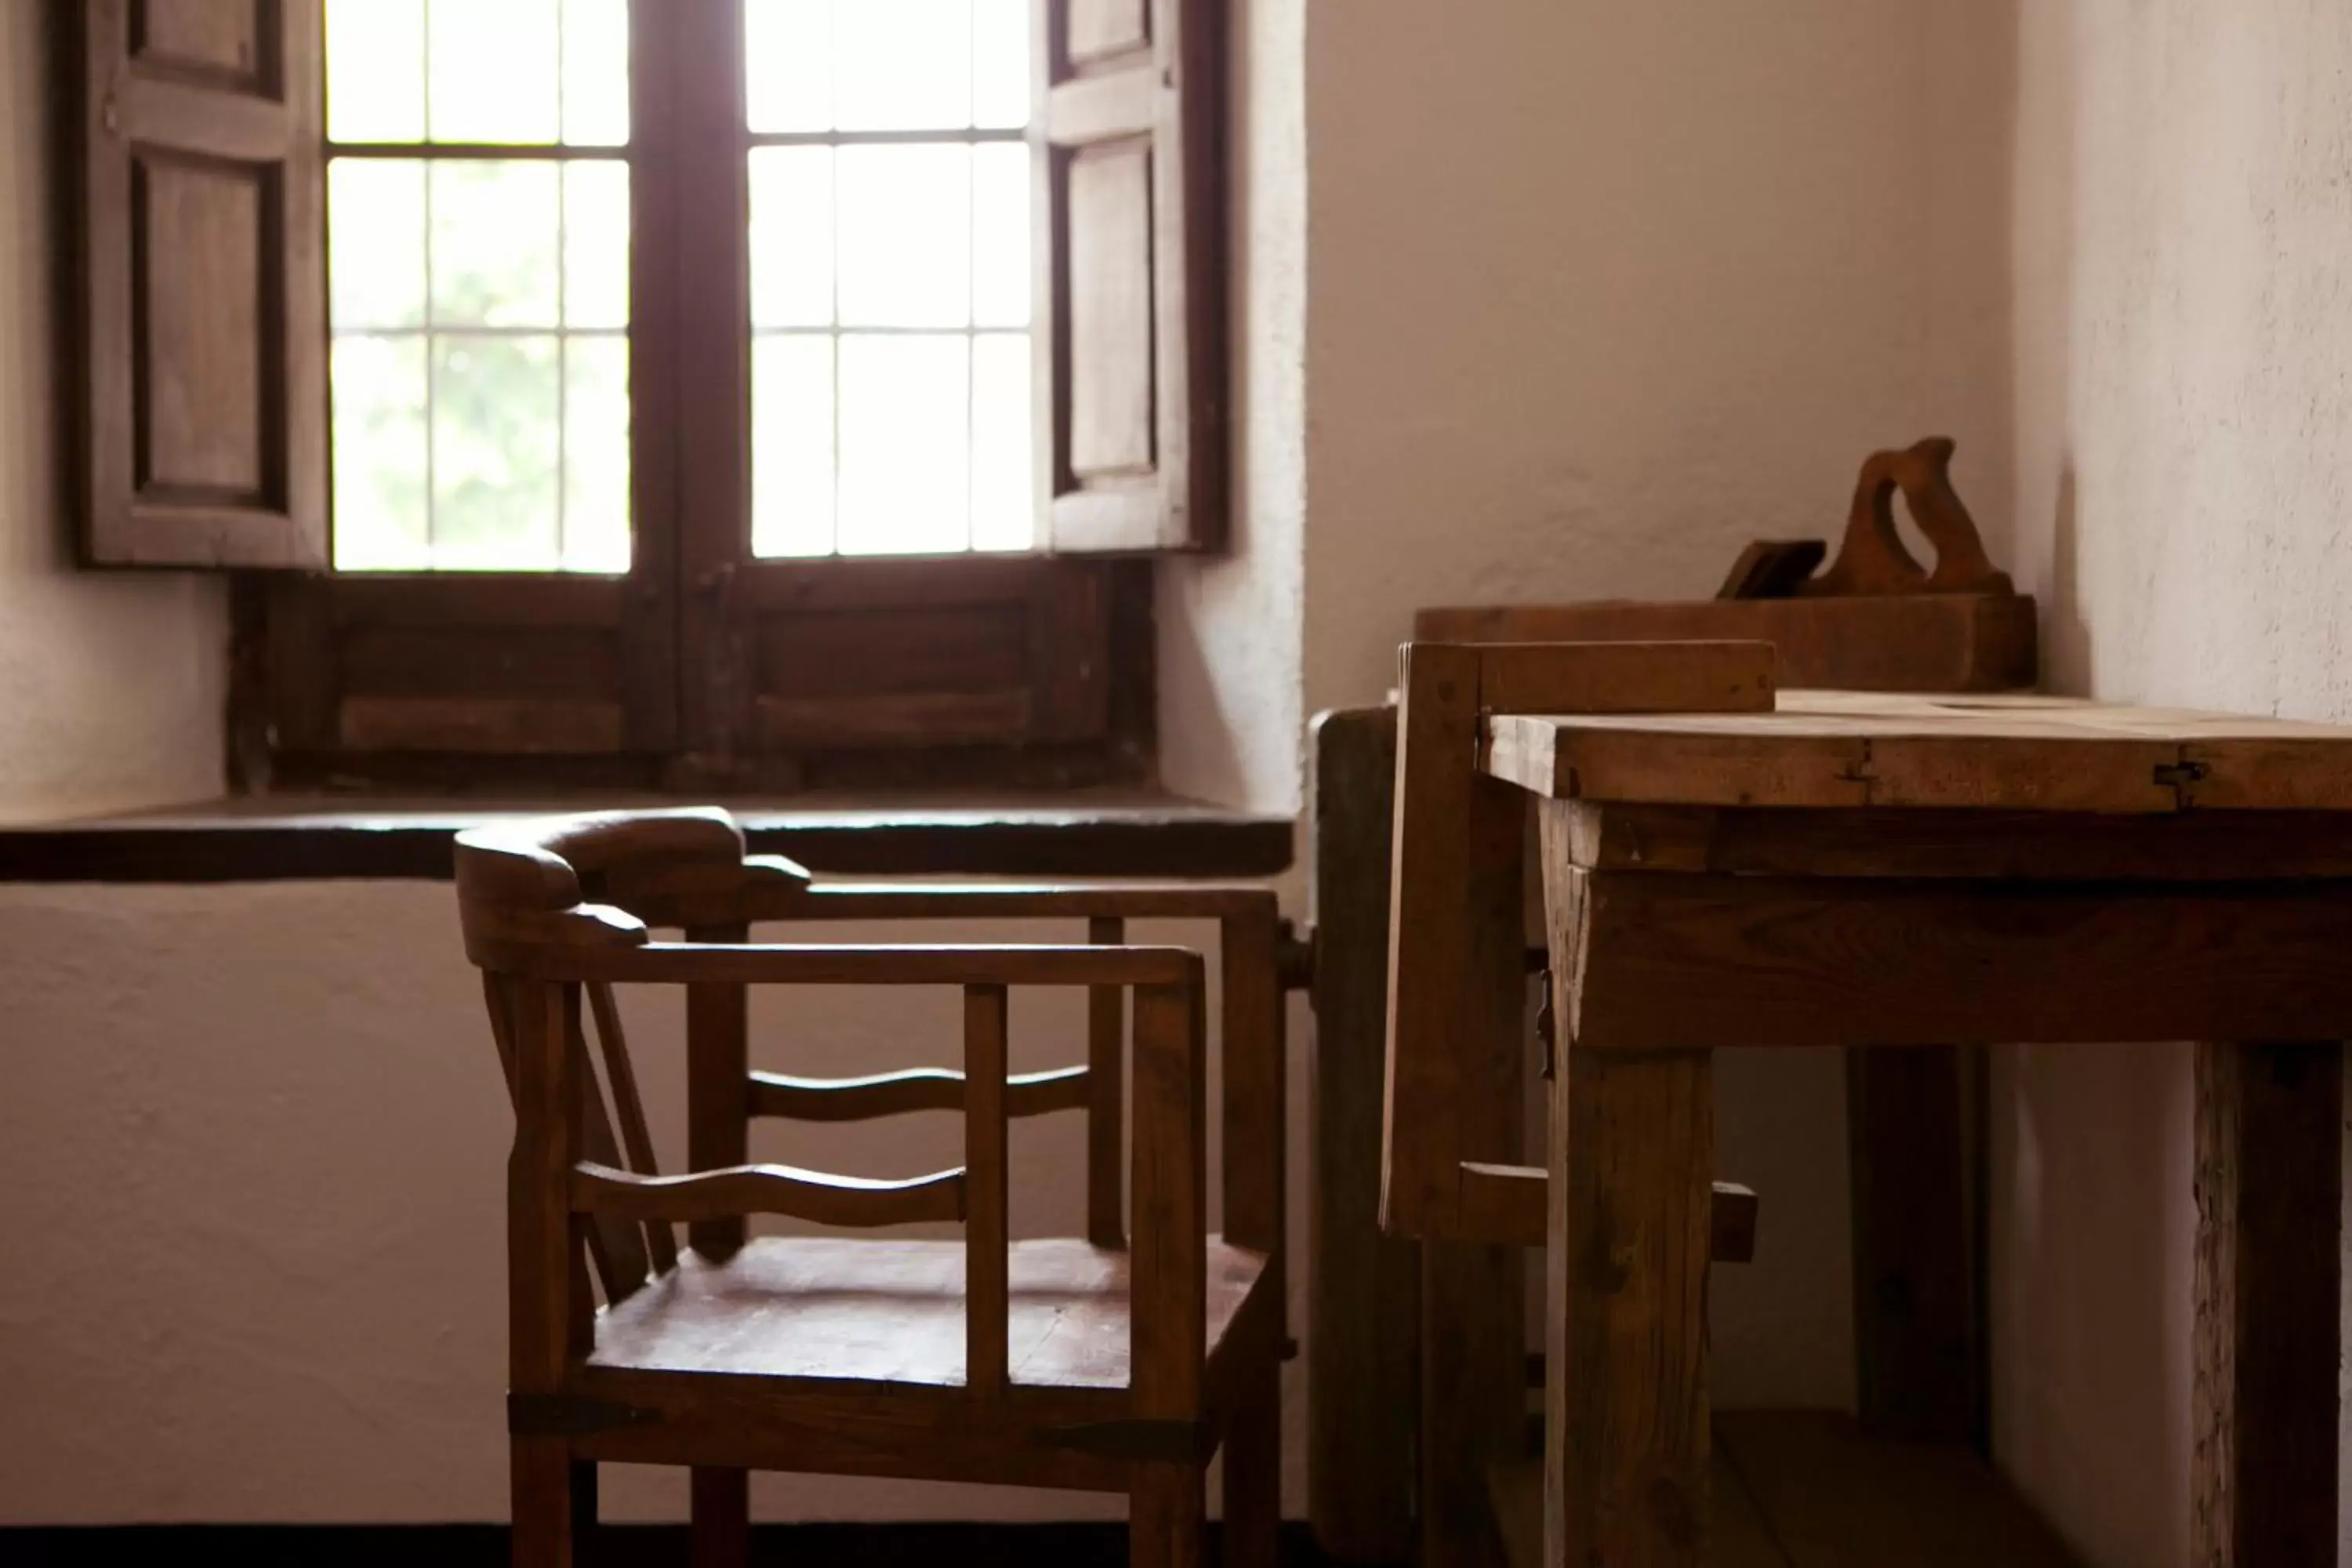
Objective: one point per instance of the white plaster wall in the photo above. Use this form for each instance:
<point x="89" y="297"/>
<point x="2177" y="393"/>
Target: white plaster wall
<point x="1232" y="692"/>
<point x="2183" y="265"/>
<point x="111" y="686"/>
<point x="1598" y="293"/>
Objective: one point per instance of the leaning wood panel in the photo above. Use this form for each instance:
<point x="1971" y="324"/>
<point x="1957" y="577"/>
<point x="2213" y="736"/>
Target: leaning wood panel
<point x="1511" y="1205"/>
<point x="827" y="1199"/>
<point x="1752" y="961"/>
<point x="2268" y="1332"/>
<point x="1363" y="1288"/>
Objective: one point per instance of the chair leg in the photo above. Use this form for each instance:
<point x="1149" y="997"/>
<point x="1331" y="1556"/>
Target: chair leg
<point x="546" y="1502"/>
<point x="722" y="1517"/>
<point x="1253" y="1474"/>
<point x="1166" y="1509"/>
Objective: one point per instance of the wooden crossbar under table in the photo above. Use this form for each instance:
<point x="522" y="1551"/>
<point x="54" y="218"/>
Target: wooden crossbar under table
<point x="1848" y="870"/>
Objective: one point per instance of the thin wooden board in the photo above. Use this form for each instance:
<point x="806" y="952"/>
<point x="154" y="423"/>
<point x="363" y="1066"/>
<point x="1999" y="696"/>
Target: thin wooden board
<point x="1843" y="748"/>
<point x="1835" y="1498"/>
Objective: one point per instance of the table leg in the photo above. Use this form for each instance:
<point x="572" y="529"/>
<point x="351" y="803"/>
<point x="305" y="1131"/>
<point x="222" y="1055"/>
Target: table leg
<point x="2268" y="1337"/>
<point x="1625" y="1401"/>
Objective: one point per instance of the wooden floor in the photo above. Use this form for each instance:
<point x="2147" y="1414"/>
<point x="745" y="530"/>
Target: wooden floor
<point x="1806" y="1490"/>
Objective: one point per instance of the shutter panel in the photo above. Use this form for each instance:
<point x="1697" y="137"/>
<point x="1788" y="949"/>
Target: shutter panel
<point x="203" y="315"/>
<point x="1132" y="307"/>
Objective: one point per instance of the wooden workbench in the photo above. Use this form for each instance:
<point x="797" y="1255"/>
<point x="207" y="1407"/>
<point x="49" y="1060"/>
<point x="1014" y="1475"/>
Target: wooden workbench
<point x="1848" y="870"/>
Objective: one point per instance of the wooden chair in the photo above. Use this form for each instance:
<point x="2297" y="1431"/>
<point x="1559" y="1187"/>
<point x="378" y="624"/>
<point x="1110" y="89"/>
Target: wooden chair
<point x="1096" y="1364"/>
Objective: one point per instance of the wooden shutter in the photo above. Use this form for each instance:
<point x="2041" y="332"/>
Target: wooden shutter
<point x="203" y="315"/>
<point x="1131" y="294"/>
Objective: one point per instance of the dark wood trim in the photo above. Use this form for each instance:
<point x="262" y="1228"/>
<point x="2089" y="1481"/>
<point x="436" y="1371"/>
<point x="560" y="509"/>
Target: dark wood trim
<point x="295" y="840"/>
<point x="1090" y="1544"/>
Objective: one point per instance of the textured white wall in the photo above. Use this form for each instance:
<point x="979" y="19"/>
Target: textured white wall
<point x="2183" y="267"/>
<point x="1231" y="691"/>
<point x="111" y="686"/>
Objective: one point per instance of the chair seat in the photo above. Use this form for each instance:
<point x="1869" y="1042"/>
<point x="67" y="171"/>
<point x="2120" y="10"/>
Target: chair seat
<point x="864" y="1310"/>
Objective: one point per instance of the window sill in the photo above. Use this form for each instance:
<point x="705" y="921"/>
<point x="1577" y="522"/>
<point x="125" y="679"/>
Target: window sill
<point x="275" y="838"/>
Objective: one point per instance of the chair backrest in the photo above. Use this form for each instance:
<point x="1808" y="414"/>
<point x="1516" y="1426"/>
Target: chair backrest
<point x="1458" y="956"/>
<point x="555" y="911"/>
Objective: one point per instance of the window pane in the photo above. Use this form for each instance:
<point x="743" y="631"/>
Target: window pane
<point x="375" y="70"/>
<point x="494" y="70"/>
<point x="596" y="244"/>
<point x="904" y="443"/>
<point x="596" y="455"/>
<point x="375" y="242"/>
<point x="596" y="72"/>
<point x="1001" y="284"/>
<point x="497" y="412"/>
<point x="380" y="454"/>
<point x="494" y="245"/>
<point x="1000" y="63"/>
<point x="788" y="64"/>
<point x="792" y="444"/>
<point x="902" y="65"/>
<point x="1003" y="493"/>
<point x="791" y="236"/>
<point x="906" y="236"/>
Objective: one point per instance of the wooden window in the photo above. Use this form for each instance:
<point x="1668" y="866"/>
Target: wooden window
<point x="700" y="393"/>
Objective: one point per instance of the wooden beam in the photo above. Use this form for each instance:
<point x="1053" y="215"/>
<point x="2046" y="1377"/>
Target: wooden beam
<point x="1681" y="962"/>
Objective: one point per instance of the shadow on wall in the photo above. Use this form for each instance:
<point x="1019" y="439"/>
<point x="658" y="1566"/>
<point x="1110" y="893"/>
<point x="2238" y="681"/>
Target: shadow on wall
<point x="2091" y="1402"/>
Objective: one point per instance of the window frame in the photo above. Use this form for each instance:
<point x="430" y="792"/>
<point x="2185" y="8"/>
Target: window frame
<point x="667" y="679"/>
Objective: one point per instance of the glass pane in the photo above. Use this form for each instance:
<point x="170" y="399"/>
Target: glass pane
<point x="788" y="64"/>
<point x="596" y="455"/>
<point x="791" y="236"/>
<point x="494" y="70"/>
<point x="380" y="454"/>
<point x="1000" y="63"/>
<point x="1001" y="284"/>
<point x="792" y="446"/>
<point x="375" y="70"/>
<point x="906" y="236"/>
<point x="375" y="242"/>
<point x="596" y="72"/>
<point x="1002" y="495"/>
<point x="496" y="411"/>
<point x="494" y="245"/>
<point x="902" y="65"/>
<point x="596" y="244"/>
<point x="904" y="443"/>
